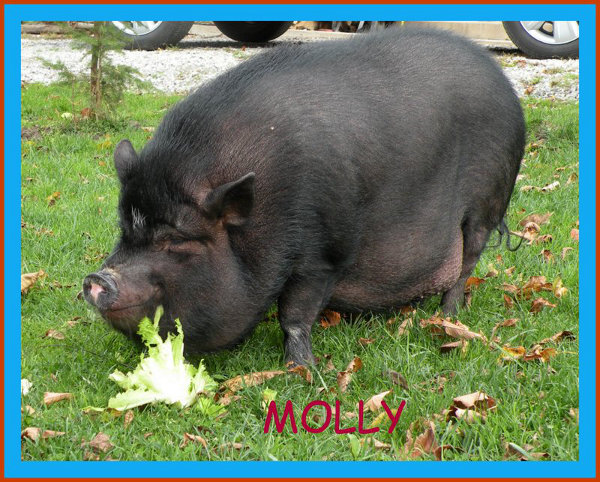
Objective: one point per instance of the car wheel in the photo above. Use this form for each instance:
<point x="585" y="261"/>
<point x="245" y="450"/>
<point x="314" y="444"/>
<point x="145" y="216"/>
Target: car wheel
<point x="253" y="31"/>
<point x="544" y="39"/>
<point x="151" y="35"/>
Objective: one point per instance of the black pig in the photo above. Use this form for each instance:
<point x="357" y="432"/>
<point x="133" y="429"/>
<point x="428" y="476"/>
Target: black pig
<point x="351" y="175"/>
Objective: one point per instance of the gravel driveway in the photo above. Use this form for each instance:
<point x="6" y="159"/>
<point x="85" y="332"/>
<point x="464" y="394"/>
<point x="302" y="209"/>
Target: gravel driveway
<point x="199" y="58"/>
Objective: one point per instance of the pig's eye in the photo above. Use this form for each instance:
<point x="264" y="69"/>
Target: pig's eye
<point x="184" y="246"/>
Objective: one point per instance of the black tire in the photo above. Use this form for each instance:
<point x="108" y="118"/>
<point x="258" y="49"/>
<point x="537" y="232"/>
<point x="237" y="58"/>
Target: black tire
<point x="166" y="34"/>
<point x="253" y="31"/>
<point x="536" y="49"/>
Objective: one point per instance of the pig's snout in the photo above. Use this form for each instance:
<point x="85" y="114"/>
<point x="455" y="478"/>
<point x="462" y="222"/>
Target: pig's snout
<point x="100" y="289"/>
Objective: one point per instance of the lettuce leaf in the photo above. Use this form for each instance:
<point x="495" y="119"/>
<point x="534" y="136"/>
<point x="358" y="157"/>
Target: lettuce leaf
<point x="163" y="375"/>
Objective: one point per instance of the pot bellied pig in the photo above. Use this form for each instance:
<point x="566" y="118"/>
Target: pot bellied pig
<point x="351" y="175"/>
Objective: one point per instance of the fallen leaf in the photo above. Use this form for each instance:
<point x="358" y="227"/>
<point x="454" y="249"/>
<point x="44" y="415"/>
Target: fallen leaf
<point x="128" y="418"/>
<point x="377" y="445"/>
<point x="539" y="303"/>
<point x="547" y="255"/>
<point x="538" y="219"/>
<point x="28" y="410"/>
<point x="52" y="397"/>
<point x="545" y="238"/>
<point x="512" y="289"/>
<point x="540" y="354"/>
<point x="558" y="288"/>
<point x="563" y="255"/>
<point x="404" y="326"/>
<point x="572" y="178"/>
<point x="574" y="413"/>
<point x="524" y="454"/>
<point x="256" y="378"/>
<point x="330" y="318"/>
<point x="374" y="403"/>
<point x="439" y="451"/>
<point x="25" y="386"/>
<point x="550" y="187"/>
<point x="527" y="188"/>
<point x="471" y="406"/>
<point x="147" y="434"/>
<point x="562" y="335"/>
<point x="447" y="347"/>
<point x="28" y="280"/>
<point x="302" y="371"/>
<point x="330" y="366"/>
<point x="512" y="352"/>
<point x="508" y="301"/>
<point x="492" y="271"/>
<point x="57" y="335"/>
<point x="188" y="437"/>
<point x="473" y="282"/>
<point x="31" y="433"/>
<point x="101" y="443"/>
<point x="397" y="378"/>
<point x="232" y="445"/>
<point x="343" y="378"/>
<point x="506" y="323"/>
<point x="51" y="434"/>
<point x="366" y="341"/>
<point x="55" y="196"/>
<point x="575" y="234"/>
<point x="226" y="398"/>
<point x="425" y="443"/>
<point x="459" y="330"/>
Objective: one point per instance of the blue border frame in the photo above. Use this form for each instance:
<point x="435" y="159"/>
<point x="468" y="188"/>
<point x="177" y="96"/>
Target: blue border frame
<point x="585" y="467"/>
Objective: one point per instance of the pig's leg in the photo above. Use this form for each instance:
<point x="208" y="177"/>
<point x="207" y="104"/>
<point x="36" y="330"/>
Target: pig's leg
<point x="299" y="305"/>
<point x="474" y="241"/>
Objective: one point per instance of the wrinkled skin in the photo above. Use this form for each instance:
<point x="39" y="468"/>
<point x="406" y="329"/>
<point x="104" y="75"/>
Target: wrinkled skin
<point x="355" y="176"/>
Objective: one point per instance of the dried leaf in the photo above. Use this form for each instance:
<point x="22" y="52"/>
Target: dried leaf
<point x="425" y="443"/>
<point x="540" y="354"/>
<point x="25" y="386"/>
<point x="256" y="378"/>
<point x="572" y="178"/>
<point x="473" y="282"/>
<point x="404" y="326"/>
<point x="512" y="289"/>
<point x="51" y="434"/>
<point x="302" y="371"/>
<point x="492" y="271"/>
<point x="575" y="234"/>
<point x="447" y="347"/>
<point x="29" y="279"/>
<point x="128" y="418"/>
<point x="377" y="445"/>
<point x="508" y="301"/>
<point x="374" y="403"/>
<point x="101" y="443"/>
<point x="574" y="413"/>
<point x="330" y="366"/>
<point x="550" y="187"/>
<point x="558" y="288"/>
<point x="564" y="252"/>
<point x="188" y="437"/>
<point x="439" y="451"/>
<point x="57" y="335"/>
<point x="330" y="318"/>
<point x="55" y="196"/>
<point x="355" y="365"/>
<point x="458" y="330"/>
<point x="366" y="341"/>
<point x="397" y="378"/>
<point x="28" y="410"/>
<point x="509" y="271"/>
<point x="545" y="238"/>
<point x="52" y="397"/>
<point x="232" y="445"/>
<point x="226" y="398"/>
<point x="506" y="323"/>
<point x="547" y="255"/>
<point x="538" y="219"/>
<point x="471" y="406"/>
<point x="562" y="335"/>
<point x="539" y="303"/>
<point x="512" y="352"/>
<point x="31" y="433"/>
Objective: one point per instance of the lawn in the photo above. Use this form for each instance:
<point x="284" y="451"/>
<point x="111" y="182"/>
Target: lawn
<point x="69" y="194"/>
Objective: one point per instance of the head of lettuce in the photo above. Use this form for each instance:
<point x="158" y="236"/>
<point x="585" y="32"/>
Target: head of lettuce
<point x="162" y="375"/>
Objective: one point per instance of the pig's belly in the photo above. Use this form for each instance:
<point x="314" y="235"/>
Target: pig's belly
<point x="379" y="280"/>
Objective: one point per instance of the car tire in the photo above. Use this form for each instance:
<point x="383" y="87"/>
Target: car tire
<point x="541" y="43"/>
<point x="158" y="34"/>
<point x="253" y="31"/>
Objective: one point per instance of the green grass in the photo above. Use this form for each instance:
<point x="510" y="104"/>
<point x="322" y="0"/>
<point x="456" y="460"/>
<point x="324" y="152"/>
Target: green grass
<point x="533" y="398"/>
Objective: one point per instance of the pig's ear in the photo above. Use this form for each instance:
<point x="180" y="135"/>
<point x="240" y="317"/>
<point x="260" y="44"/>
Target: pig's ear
<point x="125" y="157"/>
<point x="231" y="202"/>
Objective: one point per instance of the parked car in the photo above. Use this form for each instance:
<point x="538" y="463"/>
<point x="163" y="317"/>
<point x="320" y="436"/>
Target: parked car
<point x="538" y="39"/>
